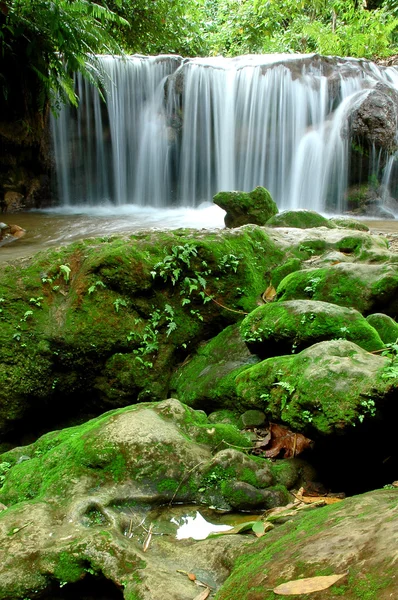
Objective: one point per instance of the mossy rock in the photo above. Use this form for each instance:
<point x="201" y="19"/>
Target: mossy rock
<point x="145" y="447"/>
<point x="347" y="223"/>
<point x="368" y="288"/>
<point x="339" y="536"/>
<point x="307" y="244"/>
<point x="300" y="219"/>
<point x="102" y="323"/>
<point x="207" y="380"/>
<point x="286" y="327"/>
<point x="327" y="388"/>
<point x="386" y="327"/>
<point x="241" y="207"/>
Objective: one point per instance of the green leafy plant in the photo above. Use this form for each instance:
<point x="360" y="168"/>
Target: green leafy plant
<point x="65" y="272"/>
<point x="97" y="284"/>
<point x="4" y="468"/>
<point x="118" y="303"/>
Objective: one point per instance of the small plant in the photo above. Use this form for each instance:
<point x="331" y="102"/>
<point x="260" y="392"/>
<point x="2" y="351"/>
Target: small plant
<point x="65" y="272"/>
<point x="118" y="303"/>
<point x="27" y="315"/>
<point x="229" y="262"/>
<point x="306" y="416"/>
<point x="390" y="371"/>
<point x="1" y="300"/>
<point x="4" y="468"/>
<point x="93" y="288"/>
<point x="36" y="301"/>
<point x="312" y="285"/>
<point x="368" y="409"/>
<point x="307" y="249"/>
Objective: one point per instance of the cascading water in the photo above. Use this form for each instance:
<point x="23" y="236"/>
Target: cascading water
<point x="174" y="132"/>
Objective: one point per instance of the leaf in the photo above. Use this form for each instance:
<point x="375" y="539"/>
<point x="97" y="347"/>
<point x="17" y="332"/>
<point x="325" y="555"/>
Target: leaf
<point x="203" y="595"/>
<point x="284" y="439"/>
<point x="269" y="294"/>
<point x="308" y="585"/>
<point x="260" y="528"/>
<point x="242" y="527"/>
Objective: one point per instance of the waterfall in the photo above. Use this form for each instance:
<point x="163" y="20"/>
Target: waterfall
<point x="173" y="131"/>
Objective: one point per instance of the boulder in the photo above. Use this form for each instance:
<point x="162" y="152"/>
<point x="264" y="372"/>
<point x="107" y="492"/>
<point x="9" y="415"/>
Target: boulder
<point x="386" y="327"/>
<point x="291" y="326"/>
<point x="368" y="288"/>
<point x="207" y="380"/>
<point x="373" y="121"/>
<point x="356" y="537"/>
<point x="254" y="207"/>
<point x="327" y="388"/>
<point x="301" y="219"/>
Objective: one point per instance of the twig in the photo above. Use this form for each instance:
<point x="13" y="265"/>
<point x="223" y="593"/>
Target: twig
<point x="240" y="312"/>
<point x="184" y="479"/>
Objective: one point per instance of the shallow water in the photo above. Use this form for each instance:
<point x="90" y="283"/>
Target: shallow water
<point x="57" y="227"/>
<point x="60" y="226"/>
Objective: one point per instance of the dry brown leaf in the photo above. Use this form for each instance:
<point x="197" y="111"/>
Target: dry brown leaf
<point x="324" y="499"/>
<point x="191" y="576"/>
<point x="395" y="483"/>
<point x="203" y="595"/>
<point x="284" y="439"/>
<point x="269" y="294"/>
<point x="308" y="585"/>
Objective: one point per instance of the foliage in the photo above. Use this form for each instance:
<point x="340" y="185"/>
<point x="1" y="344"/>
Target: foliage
<point x="337" y="27"/>
<point x="43" y="42"/>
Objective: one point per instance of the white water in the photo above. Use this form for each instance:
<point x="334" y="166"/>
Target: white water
<point x="236" y="124"/>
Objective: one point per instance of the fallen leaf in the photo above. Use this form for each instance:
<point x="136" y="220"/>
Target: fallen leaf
<point x="260" y="528"/>
<point x="395" y="483"/>
<point x="308" y="585"/>
<point x="269" y="294"/>
<point x="203" y="595"/>
<point x="191" y="576"/>
<point x="246" y="526"/>
<point x="283" y="439"/>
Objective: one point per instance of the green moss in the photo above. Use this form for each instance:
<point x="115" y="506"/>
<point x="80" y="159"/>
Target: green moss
<point x="302" y="219"/>
<point x="242" y="208"/>
<point x="68" y="568"/>
<point x="283" y="327"/>
<point x="279" y="273"/>
<point x="386" y="327"/>
<point x="349" y="223"/>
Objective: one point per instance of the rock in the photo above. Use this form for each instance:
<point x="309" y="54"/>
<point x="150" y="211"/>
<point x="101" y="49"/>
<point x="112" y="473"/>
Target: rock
<point x="106" y="320"/>
<point x="327" y="388"/>
<point x="301" y="219"/>
<point x="291" y="326"/>
<point x="386" y="327"/>
<point x="366" y="287"/>
<point x="348" y="223"/>
<point x="357" y="536"/>
<point x="78" y="504"/>
<point x="208" y="378"/>
<point x="368" y="201"/>
<point x="254" y="207"/>
<point x="373" y="122"/>
<point x="13" y="201"/>
<point x="252" y="418"/>
<point x="309" y="243"/>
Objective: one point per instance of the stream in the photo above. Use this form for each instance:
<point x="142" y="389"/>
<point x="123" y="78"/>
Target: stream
<point x="58" y="226"/>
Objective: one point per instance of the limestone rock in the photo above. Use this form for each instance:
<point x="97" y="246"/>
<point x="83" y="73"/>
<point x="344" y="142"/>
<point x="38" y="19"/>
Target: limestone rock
<point x="300" y="219"/>
<point x="291" y="326"/>
<point x="327" y="388"/>
<point x="254" y="207"/>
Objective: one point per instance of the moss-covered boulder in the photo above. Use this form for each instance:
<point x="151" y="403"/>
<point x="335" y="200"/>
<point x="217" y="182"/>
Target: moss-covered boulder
<point x="348" y="223"/>
<point x="356" y="537"/>
<point x="301" y="219"/>
<point x="207" y="379"/>
<point x="291" y="326"/>
<point x="327" y="388"/>
<point x="81" y="501"/>
<point x="102" y="323"/>
<point x="386" y="327"/>
<point x="151" y="453"/>
<point x="307" y="244"/>
<point x="366" y="287"/>
<point x="242" y="207"/>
